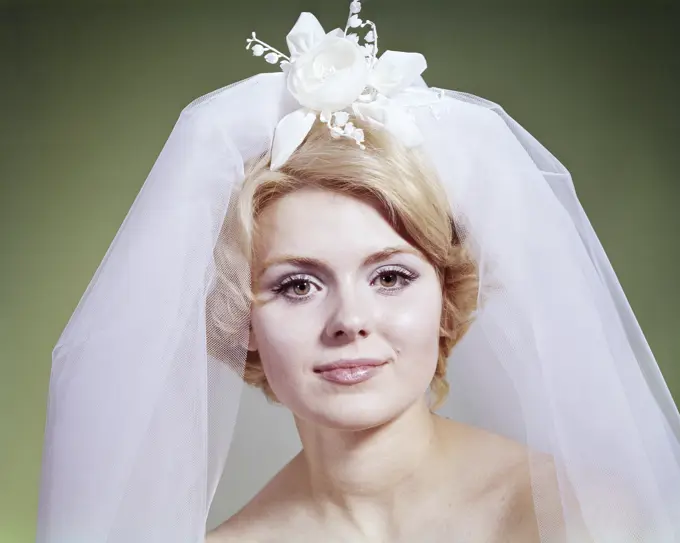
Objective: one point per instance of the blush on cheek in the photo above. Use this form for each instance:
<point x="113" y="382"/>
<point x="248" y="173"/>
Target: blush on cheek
<point x="414" y="331"/>
<point x="418" y="317"/>
<point x="284" y="345"/>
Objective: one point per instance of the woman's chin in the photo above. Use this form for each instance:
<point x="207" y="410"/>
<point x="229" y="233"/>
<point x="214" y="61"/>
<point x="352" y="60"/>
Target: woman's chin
<point x="355" y="413"/>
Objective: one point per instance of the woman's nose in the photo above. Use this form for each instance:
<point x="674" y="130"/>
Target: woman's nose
<point x="350" y="318"/>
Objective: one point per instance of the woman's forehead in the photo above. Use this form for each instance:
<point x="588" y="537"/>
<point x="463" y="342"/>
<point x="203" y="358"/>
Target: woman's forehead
<point x="323" y="224"/>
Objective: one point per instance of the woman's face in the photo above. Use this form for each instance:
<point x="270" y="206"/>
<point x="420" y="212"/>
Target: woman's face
<point x="339" y="290"/>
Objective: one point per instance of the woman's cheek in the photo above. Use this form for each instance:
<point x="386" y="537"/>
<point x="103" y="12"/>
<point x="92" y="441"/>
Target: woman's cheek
<point x="281" y="349"/>
<point x="417" y="313"/>
<point x="285" y="331"/>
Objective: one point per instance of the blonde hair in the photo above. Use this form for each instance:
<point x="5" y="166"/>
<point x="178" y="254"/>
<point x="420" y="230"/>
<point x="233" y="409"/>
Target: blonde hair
<point x="402" y="185"/>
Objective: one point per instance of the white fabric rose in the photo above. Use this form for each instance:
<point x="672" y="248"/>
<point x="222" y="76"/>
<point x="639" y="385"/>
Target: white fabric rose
<point x="327" y="74"/>
<point x="330" y="76"/>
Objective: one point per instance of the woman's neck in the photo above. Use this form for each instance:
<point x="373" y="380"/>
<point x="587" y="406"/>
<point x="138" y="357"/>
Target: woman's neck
<point x="372" y="477"/>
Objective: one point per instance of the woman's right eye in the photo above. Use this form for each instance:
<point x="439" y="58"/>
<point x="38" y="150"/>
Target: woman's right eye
<point x="296" y="288"/>
<point x="299" y="288"/>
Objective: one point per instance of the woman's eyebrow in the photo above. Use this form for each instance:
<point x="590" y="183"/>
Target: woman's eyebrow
<point x="320" y="264"/>
<point x="388" y="252"/>
<point x="302" y="261"/>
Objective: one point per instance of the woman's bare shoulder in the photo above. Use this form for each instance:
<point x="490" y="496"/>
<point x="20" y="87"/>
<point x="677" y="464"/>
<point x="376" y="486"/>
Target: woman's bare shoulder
<point x="245" y="526"/>
<point x="273" y="511"/>
<point x="235" y="531"/>
<point x="532" y="486"/>
<point x="226" y="534"/>
<point x="257" y="522"/>
<point x="502" y="475"/>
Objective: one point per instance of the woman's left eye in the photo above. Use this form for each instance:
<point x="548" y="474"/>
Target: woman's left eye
<point x="393" y="278"/>
<point x="389" y="279"/>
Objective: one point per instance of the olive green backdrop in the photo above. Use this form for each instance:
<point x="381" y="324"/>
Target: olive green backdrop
<point x="89" y="91"/>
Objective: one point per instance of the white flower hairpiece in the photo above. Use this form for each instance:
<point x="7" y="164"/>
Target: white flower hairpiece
<point x="338" y="74"/>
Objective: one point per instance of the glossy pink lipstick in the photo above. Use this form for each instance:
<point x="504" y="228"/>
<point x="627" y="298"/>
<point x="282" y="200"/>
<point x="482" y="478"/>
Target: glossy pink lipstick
<point x="350" y="372"/>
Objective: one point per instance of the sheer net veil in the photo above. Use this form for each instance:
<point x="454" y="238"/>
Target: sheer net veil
<point x="145" y="387"/>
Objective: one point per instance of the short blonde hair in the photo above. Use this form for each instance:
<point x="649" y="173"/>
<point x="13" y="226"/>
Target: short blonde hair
<point x="405" y="189"/>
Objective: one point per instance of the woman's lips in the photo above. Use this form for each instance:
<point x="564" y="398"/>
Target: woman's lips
<point x="350" y="373"/>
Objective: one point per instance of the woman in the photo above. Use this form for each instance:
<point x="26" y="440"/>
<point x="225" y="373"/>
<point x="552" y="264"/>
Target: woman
<point x="361" y="289"/>
<point x="344" y="237"/>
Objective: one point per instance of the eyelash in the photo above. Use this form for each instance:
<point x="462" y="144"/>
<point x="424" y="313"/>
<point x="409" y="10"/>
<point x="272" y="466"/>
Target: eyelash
<point x="407" y="277"/>
<point x="289" y="282"/>
<point x="284" y="286"/>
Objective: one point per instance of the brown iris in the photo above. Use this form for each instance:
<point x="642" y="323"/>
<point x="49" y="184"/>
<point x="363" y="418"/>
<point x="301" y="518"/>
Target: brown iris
<point x="301" y="288"/>
<point x="388" y="279"/>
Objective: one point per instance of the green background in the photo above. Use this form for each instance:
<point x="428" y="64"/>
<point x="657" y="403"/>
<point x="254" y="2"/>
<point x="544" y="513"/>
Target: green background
<point x="89" y="91"/>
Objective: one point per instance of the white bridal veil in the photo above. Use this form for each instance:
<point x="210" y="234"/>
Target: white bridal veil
<point x="145" y="390"/>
